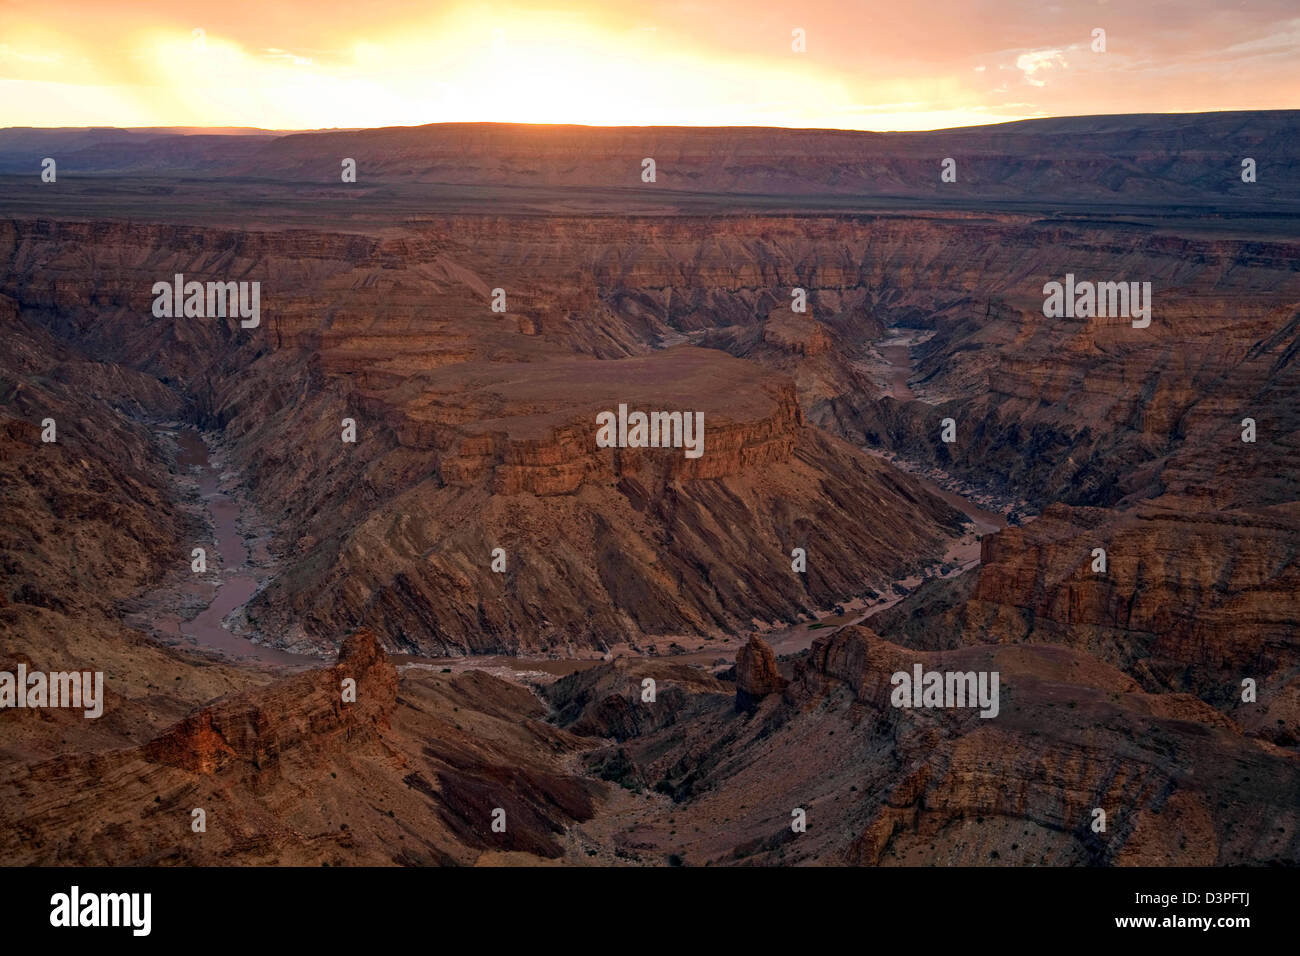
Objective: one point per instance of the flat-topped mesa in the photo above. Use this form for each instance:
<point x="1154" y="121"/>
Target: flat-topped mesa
<point x="705" y="416"/>
<point x="561" y="465"/>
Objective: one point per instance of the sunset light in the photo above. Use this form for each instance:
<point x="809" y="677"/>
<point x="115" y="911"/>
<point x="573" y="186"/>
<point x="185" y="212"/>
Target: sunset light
<point x="312" y="65"/>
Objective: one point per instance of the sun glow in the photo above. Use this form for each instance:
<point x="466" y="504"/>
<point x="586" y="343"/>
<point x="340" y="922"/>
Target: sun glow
<point x="466" y="66"/>
<point x="866" y="64"/>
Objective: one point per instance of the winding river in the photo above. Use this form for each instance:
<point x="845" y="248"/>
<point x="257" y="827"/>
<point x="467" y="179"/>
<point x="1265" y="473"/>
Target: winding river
<point x="219" y="593"/>
<point x="239" y="576"/>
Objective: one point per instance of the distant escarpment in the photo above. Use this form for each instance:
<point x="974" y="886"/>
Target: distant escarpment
<point x="1064" y="161"/>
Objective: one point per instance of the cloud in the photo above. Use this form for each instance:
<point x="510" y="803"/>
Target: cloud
<point x="1037" y="61"/>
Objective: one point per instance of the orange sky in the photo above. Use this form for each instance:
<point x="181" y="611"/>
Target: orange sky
<point x="899" y="64"/>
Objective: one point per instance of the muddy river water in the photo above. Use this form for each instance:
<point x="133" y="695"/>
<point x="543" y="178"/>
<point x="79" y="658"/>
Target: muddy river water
<point x="238" y="578"/>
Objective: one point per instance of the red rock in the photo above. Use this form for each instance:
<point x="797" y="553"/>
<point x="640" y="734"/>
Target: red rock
<point x="757" y="675"/>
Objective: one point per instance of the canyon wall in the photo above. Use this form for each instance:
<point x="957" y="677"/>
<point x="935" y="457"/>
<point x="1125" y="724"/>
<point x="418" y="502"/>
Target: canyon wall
<point x="476" y="433"/>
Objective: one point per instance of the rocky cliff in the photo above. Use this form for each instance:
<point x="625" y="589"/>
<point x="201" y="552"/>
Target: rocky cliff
<point x="295" y="774"/>
<point x="474" y="436"/>
<point x="884" y="785"/>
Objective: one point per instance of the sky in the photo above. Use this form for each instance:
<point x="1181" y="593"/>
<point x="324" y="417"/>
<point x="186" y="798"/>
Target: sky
<point x="893" y="65"/>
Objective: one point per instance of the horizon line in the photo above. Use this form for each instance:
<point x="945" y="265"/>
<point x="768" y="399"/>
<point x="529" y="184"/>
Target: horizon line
<point x="253" y="130"/>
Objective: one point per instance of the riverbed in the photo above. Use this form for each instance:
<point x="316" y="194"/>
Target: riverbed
<point x="195" y="608"/>
<point x="237" y="565"/>
<point x="896" y="368"/>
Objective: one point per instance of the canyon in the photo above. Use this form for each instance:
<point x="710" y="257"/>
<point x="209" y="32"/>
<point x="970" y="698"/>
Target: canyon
<point x="523" y="689"/>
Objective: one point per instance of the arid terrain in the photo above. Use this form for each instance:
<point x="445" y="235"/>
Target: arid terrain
<point x="502" y="590"/>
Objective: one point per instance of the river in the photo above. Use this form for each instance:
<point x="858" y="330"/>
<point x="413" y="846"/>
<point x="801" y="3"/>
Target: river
<point x="896" y="351"/>
<point x="235" y="574"/>
<point x="232" y="578"/>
